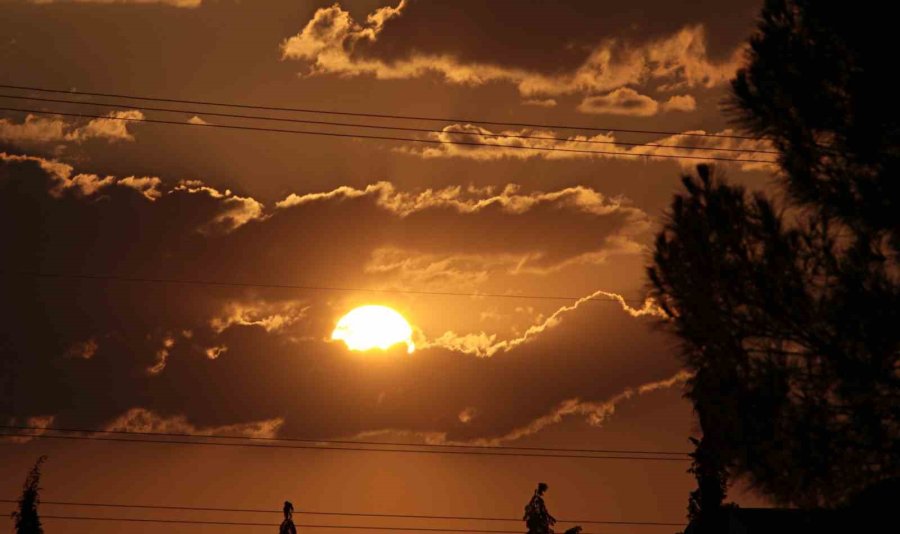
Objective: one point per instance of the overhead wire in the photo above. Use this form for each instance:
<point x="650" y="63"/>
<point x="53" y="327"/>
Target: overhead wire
<point x="394" y="128"/>
<point x="346" y="527"/>
<point x="372" y="115"/>
<point x="249" y="524"/>
<point x="223" y="283"/>
<point x="381" y="137"/>
<point x="343" y="442"/>
<point x="341" y="514"/>
<point x="340" y="448"/>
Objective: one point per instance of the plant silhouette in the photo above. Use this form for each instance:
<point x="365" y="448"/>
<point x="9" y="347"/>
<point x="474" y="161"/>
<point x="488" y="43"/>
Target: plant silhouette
<point x="788" y="311"/>
<point x="287" y="526"/>
<point x="26" y="517"/>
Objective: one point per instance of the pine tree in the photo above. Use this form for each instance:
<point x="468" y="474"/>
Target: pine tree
<point x="788" y="311"/>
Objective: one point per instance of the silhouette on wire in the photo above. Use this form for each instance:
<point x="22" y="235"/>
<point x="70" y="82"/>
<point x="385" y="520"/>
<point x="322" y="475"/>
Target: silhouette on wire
<point x="537" y="518"/>
<point x="287" y="526"/>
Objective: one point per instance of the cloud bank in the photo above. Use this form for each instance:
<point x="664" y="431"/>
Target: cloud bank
<point x="329" y="44"/>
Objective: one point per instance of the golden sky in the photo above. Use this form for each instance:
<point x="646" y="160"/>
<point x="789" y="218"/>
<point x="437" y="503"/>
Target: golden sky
<point x="101" y="196"/>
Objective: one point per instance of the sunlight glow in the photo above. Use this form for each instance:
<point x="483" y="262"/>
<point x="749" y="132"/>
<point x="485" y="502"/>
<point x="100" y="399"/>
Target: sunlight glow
<point x="370" y="327"/>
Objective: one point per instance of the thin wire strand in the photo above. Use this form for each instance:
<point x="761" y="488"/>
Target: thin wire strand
<point x="372" y="115"/>
<point x="393" y="128"/>
<point x="353" y="449"/>
<point x="348" y="527"/>
<point x="343" y="514"/>
<point x="189" y="281"/>
<point x="384" y="137"/>
<point x="246" y="524"/>
<point x="341" y="442"/>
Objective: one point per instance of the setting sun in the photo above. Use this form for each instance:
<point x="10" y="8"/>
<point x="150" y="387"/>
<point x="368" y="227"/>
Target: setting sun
<point x="370" y="327"/>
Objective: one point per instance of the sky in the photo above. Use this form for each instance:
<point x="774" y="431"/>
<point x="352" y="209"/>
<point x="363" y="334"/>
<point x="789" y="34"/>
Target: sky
<point x="353" y="221"/>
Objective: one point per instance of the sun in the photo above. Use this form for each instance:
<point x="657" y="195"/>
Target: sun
<point x="370" y="327"/>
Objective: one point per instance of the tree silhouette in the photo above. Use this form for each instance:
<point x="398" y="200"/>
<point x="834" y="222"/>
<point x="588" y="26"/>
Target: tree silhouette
<point x="27" y="520"/>
<point x="790" y="317"/>
<point x="705" y="502"/>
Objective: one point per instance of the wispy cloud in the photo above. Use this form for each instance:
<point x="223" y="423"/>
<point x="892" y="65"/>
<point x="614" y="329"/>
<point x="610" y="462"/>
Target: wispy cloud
<point x="144" y="420"/>
<point x="595" y="413"/>
<point x="487" y="345"/>
<point x="162" y="355"/>
<point x="270" y="316"/>
<point x="468" y="200"/>
<point x="493" y="146"/>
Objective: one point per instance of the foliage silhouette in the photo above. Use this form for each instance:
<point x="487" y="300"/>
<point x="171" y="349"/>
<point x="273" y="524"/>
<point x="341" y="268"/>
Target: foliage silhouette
<point x="705" y="504"/>
<point x="27" y="520"/>
<point x="789" y="316"/>
<point x="287" y="526"/>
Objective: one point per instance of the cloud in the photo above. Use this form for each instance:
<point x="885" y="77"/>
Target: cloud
<point x="236" y="211"/>
<point x="505" y="218"/>
<point x="680" y="103"/>
<point x="600" y="146"/>
<point x="270" y="316"/>
<point x="162" y="356"/>
<point x="39" y="129"/>
<point x="622" y="101"/>
<point x="148" y="186"/>
<point x="340" y="237"/>
<point x="467" y="272"/>
<point x="40" y="422"/>
<point x="595" y="413"/>
<point x="143" y="420"/>
<point x="484" y="345"/>
<point x="627" y="101"/>
<point x="110" y="129"/>
<point x="83" y="349"/>
<point x="174" y="3"/>
<point x="231" y="211"/>
<point x="328" y="44"/>
<point x="214" y="352"/>
<point x="467" y="414"/>
<point x="540" y="102"/>
<point x="509" y="199"/>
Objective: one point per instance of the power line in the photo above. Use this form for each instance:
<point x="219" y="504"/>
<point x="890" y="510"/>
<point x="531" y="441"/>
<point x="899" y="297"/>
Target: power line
<point x="191" y="281"/>
<point x="343" y="514"/>
<point x="394" y="128"/>
<point x="353" y="449"/>
<point x="383" y="137"/>
<point x="342" y="442"/>
<point x="347" y="527"/>
<point x="373" y="115"/>
<point x="245" y="524"/>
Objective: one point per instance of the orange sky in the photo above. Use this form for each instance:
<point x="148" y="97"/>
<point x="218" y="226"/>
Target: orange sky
<point x="108" y="197"/>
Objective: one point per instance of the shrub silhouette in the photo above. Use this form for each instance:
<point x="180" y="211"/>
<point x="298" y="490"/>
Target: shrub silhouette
<point x="27" y="520"/>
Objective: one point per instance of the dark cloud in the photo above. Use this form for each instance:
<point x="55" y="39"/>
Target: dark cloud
<point x="548" y="36"/>
<point x="328" y="45"/>
<point x="174" y="3"/>
<point x="222" y="357"/>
